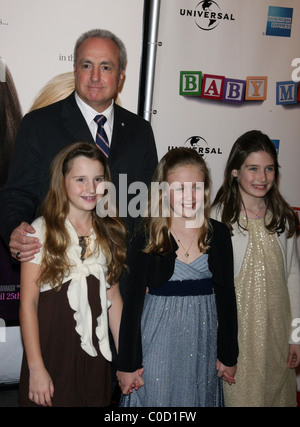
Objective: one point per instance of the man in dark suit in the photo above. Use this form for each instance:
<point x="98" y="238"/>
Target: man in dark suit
<point x="99" y="67"/>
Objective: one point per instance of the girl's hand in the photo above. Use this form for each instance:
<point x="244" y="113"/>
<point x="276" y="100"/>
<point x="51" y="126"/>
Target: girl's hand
<point x="227" y="373"/>
<point x="294" y="356"/>
<point x="129" y="381"/>
<point x="41" y="388"/>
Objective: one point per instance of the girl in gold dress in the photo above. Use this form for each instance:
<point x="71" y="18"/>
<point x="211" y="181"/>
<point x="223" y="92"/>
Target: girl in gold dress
<point x="267" y="274"/>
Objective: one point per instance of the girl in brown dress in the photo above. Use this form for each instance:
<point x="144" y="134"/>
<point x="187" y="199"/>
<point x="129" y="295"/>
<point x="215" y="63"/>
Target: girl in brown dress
<point x="69" y="292"/>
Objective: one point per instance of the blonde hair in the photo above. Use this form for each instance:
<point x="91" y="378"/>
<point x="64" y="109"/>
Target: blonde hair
<point x="158" y="227"/>
<point x="56" y="89"/>
<point x="110" y="231"/>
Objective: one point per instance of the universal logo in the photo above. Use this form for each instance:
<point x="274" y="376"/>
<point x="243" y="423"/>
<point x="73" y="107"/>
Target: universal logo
<point x="199" y="144"/>
<point x="207" y="15"/>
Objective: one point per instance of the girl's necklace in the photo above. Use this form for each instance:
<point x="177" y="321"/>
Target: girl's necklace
<point x="82" y="231"/>
<point x="257" y="216"/>
<point x="187" y="254"/>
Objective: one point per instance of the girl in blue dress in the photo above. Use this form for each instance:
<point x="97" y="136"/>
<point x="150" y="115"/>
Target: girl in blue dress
<point x="178" y="333"/>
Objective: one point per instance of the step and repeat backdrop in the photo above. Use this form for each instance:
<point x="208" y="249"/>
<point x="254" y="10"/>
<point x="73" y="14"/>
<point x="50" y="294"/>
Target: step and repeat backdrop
<point x="222" y="68"/>
<point x="225" y="67"/>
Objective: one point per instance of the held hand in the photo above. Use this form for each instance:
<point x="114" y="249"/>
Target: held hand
<point x="294" y="356"/>
<point x="41" y="388"/>
<point x="227" y="373"/>
<point x="129" y="381"/>
<point x="23" y="247"/>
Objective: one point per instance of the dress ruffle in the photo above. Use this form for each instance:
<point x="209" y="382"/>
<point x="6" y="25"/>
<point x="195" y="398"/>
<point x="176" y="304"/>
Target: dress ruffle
<point x="78" y="298"/>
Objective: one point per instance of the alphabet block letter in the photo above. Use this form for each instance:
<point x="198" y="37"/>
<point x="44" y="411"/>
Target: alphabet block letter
<point x="212" y="86"/>
<point x="256" y="88"/>
<point x="286" y="93"/>
<point x="234" y="90"/>
<point x="190" y="83"/>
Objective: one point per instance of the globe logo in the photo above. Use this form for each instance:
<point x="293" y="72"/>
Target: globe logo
<point x="206" y="15"/>
<point x="197" y="143"/>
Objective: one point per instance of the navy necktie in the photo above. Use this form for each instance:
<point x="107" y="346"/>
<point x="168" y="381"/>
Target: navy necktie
<point x="101" y="137"/>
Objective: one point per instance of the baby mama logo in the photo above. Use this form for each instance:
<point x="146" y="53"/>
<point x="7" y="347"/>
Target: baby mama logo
<point x="221" y="88"/>
<point x="207" y="15"/>
<point x="279" y="21"/>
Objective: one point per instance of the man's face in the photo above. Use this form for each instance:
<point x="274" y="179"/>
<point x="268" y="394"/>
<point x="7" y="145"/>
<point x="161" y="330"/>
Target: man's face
<point x="97" y="76"/>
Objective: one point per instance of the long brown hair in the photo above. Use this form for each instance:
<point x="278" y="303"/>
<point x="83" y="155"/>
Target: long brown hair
<point x="10" y="119"/>
<point x="110" y="231"/>
<point x="228" y="198"/>
<point x="158" y="227"/>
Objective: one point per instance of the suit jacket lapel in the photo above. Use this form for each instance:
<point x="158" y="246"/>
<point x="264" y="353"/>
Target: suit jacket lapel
<point x="74" y="121"/>
<point x="121" y="136"/>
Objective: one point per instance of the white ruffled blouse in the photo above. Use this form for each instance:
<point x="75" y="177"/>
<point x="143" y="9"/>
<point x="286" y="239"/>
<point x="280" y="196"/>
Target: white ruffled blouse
<point x="77" y="291"/>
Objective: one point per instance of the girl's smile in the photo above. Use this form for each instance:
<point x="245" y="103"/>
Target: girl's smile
<point x="256" y="176"/>
<point x="187" y="191"/>
<point x="81" y="183"/>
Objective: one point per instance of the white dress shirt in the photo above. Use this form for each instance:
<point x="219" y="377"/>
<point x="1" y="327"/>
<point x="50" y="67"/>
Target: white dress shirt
<point x="89" y="114"/>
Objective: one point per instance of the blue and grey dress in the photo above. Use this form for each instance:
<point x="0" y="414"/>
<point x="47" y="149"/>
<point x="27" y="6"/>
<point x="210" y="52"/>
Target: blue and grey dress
<point x="179" y="329"/>
<point x="179" y="341"/>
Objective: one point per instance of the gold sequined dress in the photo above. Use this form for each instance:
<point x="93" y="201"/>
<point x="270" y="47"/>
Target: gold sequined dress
<point x="263" y="378"/>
